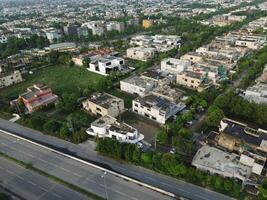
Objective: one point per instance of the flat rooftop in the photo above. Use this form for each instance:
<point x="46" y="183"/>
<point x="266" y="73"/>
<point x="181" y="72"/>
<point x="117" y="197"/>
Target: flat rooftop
<point x="140" y="81"/>
<point x="103" y="99"/>
<point x="245" y="133"/>
<point x="226" y="163"/>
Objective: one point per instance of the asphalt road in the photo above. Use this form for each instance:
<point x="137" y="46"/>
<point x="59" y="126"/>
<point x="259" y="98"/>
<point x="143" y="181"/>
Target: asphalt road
<point x="89" y="178"/>
<point x="30" y="185"/>
<point x="86" y="151"/>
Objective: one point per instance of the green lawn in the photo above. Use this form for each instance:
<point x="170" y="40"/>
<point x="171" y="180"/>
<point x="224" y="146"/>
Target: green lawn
<point x="59" y="78"/>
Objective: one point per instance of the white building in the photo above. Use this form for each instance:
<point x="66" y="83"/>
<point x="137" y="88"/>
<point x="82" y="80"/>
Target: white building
<point x="106" y="64"/>
<point x="118" y="26"/>
<point x="52" y="35"/>
<point x="3" y="39"/>
<point x="8" y="79"/>
<point x="161" y="42"/>
<point x="108" y="126"/>
<point x="219" y="162"/>
<point x="141" y="53"/>
<point x="156" y="108"/>
<point x="137" y="85"/>
<point x="257" y="93"/>
<point x="174" y="66"/>
<point x="97" y="27"/>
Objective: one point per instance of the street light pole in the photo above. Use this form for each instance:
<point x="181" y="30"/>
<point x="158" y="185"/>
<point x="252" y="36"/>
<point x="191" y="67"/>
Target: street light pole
<point x="103" y="176"/>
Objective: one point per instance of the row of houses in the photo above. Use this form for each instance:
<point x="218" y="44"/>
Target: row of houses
<point x="237" y="151"/>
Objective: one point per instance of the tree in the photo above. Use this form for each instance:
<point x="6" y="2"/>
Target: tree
<point x="146" y="157"/>
<point x="68" y="102"/>
<point x="37" y="121"/>
<point x="86" y="62"/>
<point x="214" y="116"/>
<point x="51" y="127"/>
<point x="64" y="132"/>
<point x="162" y="137"/>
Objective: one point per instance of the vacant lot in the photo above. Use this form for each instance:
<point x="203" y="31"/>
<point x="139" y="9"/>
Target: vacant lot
<point x="126" y="97"/>
<point x="59" y="78"/>
<point x="144" y="125"/>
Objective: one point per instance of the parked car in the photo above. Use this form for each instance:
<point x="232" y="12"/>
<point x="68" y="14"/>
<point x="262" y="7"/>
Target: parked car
<point x="173" y="150"/>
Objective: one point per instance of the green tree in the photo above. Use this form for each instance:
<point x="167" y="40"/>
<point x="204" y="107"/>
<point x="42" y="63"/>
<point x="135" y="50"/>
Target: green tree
<point x="214" y="116"/>
<point x="162" y="137"/>
<point x="64" y="132"/>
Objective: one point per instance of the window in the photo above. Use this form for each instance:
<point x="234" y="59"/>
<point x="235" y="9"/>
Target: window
<point x="109" y="63"/>
<point x="98" y="109"/>
<point x="192" y="81"/>
<point x="154" y="118"/>
<point x="136" y="105"/>
<point x="121" y="62"/>
<point x="146" y="115"/>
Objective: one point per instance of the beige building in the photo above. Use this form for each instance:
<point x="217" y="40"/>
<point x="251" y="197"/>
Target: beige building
<point x="147" y="23"/>
<point x="192" y="80"/>
<point x="141" y="53"/>
<point x="103" y="104"/>
<point x="10" y="79"/>
<point x="193" y="57"/>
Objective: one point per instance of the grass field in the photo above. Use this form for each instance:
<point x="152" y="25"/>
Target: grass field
<point x="59" y="78"/>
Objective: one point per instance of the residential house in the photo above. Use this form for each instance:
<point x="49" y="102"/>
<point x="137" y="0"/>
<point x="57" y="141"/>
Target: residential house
<point x="108" y="126"/>
<point x="104" y="104"/>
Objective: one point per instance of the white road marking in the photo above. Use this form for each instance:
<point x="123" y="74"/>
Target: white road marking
<point x="90" y="180"/>
<point x="149" y="178"/>
<point x="58" y="196"/>
<point x="163" y="183"/>
<point x="10" y="172"/>
<point x="20" y="178"/>
<point x="66" y="170"/>
<point x="43" y="189"/>
<point x="32" y="183"/>
<point x="199" y="196"/>
<point x="75" y="174"/>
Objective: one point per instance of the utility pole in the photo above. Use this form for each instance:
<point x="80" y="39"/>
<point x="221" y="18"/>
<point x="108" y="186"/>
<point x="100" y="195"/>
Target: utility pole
<point x="103" y="176"/>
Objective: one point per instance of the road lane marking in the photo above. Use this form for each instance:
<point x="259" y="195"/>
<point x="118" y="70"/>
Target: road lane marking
<point x="42" y="188"/>
<point x="149" y="178"/>
<point x="165" y="184"/>
<point x="92" y="165"/>
<point x="32" y="183"/>
<point x="20" y="178"/>
<point x="75" y="174"/>
<point x="10" y="172"/>
<point x="57" y="195"/>
<point x="90" y="180"/>
<point x="66" y="170"/>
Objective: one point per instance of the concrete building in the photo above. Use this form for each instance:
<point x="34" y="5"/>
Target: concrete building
<point x="38" y="96"/>
<point x="52" y="35"/>
<point x="162" y="43"/>
<point x="141" y="53"/>
<point x="97" y="27"/>
<point x="193" y="57"/>
<point x="193" y="80"/>
<point x="108" y="126"/>
<point x="238" y="133"/>
<point x="171" y="94"/>
<point x="104" y="65"/>
<point x="156" y="108"/>
<point x="103" y="104"/>
<point x="71" y="29"/>
<point x="117" y="26"/>
<point x="256" y="93"/>
<point x="137" y="85"/>
<point x="174" y="66"/>
<point x="62" y="47"/>
<point x="216" y="161"/>
<point x="147" y="23"/>
<point x="8" y="79"/>
<point x="3" y="39"/>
